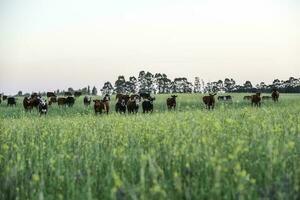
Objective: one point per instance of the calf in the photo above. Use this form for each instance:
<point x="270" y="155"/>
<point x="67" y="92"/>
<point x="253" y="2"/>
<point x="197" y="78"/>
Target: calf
<point x="209" y="101"/>
<point x="11" y="101"/>
<point x="275" y="95"/>
<point x="147" y="105"/>
<point x="256" y="99"/>
<point x="87" y="101"/>
<point x="43" y="107"/>
<point x="98" y="106"/>
<point x="171" y="102"/>
<point x="133" y="104"/>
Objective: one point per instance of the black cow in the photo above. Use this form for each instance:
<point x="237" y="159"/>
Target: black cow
<point x="122" y="100"/>
<point x="11" y="101"/>
<point x="171" y="102"/>
<point x="275" y="95"/>
<point x="77" y="94"/>
<point x="70" y="101"/>
<point x="145" y="95"/>
<point x="133" y="104"/>
<point x="67" y="94"/>
<point x="209" y="101"/>
<point x="147" y="105"/>
<point x="255" y="100"/>
<point x="87" y="101"/>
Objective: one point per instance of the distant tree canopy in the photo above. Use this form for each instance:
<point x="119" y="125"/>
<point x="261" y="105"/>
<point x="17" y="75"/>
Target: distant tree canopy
<point x="159" y="83"/>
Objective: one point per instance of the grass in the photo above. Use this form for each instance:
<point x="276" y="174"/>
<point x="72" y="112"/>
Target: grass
<point x="234" y="152"/>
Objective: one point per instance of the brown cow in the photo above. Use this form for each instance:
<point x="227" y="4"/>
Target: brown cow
<point x="209" y="101"/>
<point x="27" y="104"/>
<point x="105" y="102"/>
<point x="171" y="102"/>
<point x="52" y="100"/>
<point x="98" y="106"/>
<point x="61" y="101"/>
<point x="255" y="99"/>
<point x="275" y="95"/>
<point x="133" y="103"/>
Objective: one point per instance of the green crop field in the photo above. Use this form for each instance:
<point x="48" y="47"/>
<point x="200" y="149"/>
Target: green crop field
<point x="234" y="152"/>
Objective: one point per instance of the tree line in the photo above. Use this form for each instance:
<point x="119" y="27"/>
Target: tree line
<point x="159" y="83"/>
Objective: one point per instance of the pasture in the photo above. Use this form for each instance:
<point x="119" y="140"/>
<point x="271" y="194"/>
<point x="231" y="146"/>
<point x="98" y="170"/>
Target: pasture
<point x="233" y="152"/>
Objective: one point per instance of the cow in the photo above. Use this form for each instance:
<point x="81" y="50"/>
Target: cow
<point x="98" y="106"/>
<point x="171" y="102"/>
<point x="225" y="98"/>
<point x="4" y="97"/>
<point x="35" y="95"/>
<point x="52" y="100"/>
<point x="133" y="103"/>
<point x="50" y="94"/>
<point x="255" y="100"/>
<point x="70" y="101"/>
<point x="43" y="107"/>
<point x="145" y="95"/>
<point x="209" y="101"/>
<point x="122" y="100"/>
<point x="77" y="94"/>
<point x="87" y="101"/>
<point x="105" y="102"/>
<point x="266" y="97"/>
<point x="61" y="101"/>
<point x="11" y="101"/>
<point x="275" y="95"/>
<point x="67" y="94"/>
<point x="26" y="104"/>
<point x="247" y="97"/>
<point x="147" y="105"/>
<point x="30" y="103"/>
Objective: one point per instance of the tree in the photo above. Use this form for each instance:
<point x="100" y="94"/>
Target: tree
<point x="94" y="91"/>
<point x="197" y="85"/>
<point x="181" y="85"/>
<point x="107" y="88"/>
<point x="120" y="85"/>
<point x="88" y="90"/>
<point x="229" y="85"/>
<point x="20" y="93"/>
<point x="248" y="86"/>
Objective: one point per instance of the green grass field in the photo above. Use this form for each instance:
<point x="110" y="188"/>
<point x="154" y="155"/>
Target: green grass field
<point x="233" y="152"/>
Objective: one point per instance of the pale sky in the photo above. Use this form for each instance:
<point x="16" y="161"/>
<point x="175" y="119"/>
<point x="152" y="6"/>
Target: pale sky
<point x="50" y="44"/>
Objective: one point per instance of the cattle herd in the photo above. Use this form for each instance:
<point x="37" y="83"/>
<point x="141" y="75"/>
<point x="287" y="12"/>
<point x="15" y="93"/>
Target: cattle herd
<point x="124" y="102"/>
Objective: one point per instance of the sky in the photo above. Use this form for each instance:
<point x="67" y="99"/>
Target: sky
<point x="46" y="45"/>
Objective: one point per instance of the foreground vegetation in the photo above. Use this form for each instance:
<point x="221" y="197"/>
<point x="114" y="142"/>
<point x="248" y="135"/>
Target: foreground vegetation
<point x="234" y="152"/>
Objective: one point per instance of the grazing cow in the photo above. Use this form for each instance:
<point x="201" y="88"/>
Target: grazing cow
<point x="247" y="97"/>
<point x="43" y="107"/>
<point x="209" y="101"/>
<point x="61" y="101"/>
<point x="133" y="103"/>
<point x="11" y="101"/>
<point x="50" y="94"/>
<point x="87" y="101"/>
<point x="225" y="98"/>
<point x="122" y="100"/>
<point x="98" y="106"/>
<point x="67" y="94"/>
<point x="147" y="105"/>
<point x="105" y="102"/>
<point x="275" y="95"/>
<point x="171" y="102"/>
<point x="77" y="94"/>
<point x="255" y="99"/>
<point x="52" y="100"/>
<point x="266" y="97"/>
<point x="4" y="97"/>
<point x="70" y="101"/>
